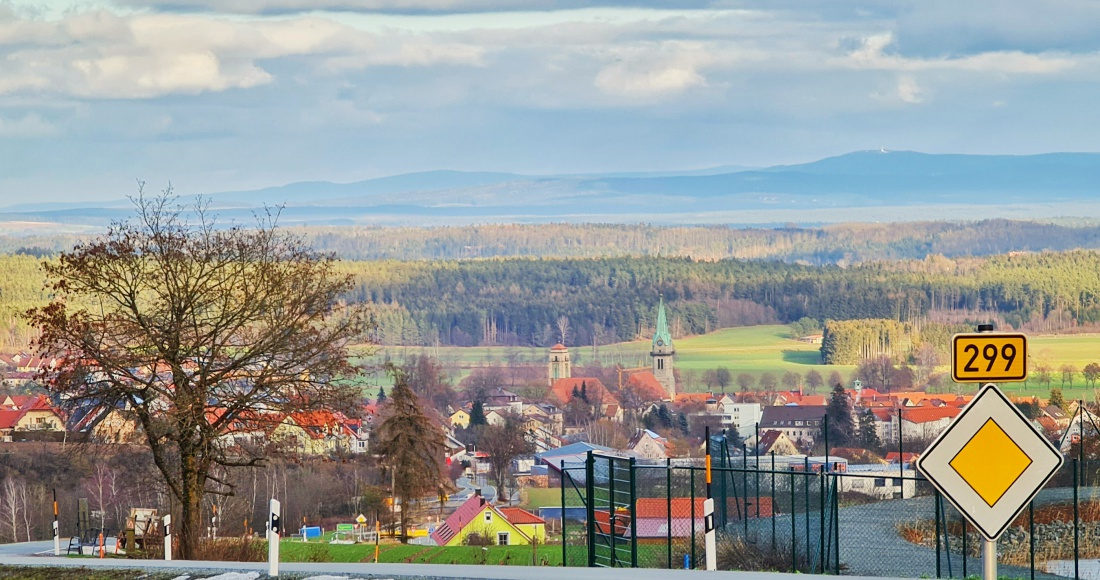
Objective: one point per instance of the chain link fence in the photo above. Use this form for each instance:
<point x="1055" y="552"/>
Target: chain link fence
<point x="812" y="515"/>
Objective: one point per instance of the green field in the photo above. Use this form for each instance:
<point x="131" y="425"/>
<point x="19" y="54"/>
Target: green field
<point x="317" y="551"/>
<point x="756" y="350"/>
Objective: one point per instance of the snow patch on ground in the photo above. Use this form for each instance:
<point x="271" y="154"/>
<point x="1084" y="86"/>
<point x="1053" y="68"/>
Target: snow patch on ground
<point x="327" y="578"/>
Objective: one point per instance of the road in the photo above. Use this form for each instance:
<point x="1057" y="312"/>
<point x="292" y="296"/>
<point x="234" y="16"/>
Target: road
<point x="10" y="555"/>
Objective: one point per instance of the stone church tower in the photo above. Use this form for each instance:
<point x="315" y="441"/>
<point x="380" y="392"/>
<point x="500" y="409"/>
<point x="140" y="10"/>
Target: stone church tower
<point x="662" y="353"/>
<point x="559" y="364"/>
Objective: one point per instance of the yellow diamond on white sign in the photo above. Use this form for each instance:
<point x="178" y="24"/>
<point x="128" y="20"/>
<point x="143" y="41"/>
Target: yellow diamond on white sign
<point x="990" y="462"/>
<point x="991" y="479"/>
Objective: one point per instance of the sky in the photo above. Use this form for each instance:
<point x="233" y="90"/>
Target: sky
<point x="225" y="95"/>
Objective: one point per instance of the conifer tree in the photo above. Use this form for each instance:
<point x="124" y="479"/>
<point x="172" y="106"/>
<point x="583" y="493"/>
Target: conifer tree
<point x="381" y="395"/>
<point x="411" y="446"/>
<point x="477" y="414"/>
<point x="841" y="424"/>
<point x="868" y="437"/>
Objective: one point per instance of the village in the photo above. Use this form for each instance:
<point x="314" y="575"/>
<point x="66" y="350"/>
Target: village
<point x="641" y="416"/>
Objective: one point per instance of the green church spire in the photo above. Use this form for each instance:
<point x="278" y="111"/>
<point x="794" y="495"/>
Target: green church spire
<point x="662" y="339"/>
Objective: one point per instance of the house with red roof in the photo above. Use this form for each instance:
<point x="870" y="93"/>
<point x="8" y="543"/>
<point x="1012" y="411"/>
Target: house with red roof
<point x="478" y="522"/>
<point x="591" y="388"/>
<point x="29" y="413"/>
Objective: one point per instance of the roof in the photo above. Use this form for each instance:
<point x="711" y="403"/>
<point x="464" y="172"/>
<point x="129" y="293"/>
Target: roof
<point x="772" y="415"/>
<point x="907" y="457"/>
<point x="467" y="513"/>
<point x="647" y="387"/>
<point x="657" y="507"/>
<point x="571" y="449"/>
<point x="559" y="347"/>
<point x="929" y="414"/>
<point x="769" y="438"/>
<point x="461" y="517"/>
<point x="662" y="334"/>
<point x="520" y="516"/>
<point x="563" y="390"/>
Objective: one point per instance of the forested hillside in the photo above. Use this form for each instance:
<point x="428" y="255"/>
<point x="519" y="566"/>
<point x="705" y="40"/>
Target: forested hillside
<point x="836" y="244"/>
<point x="527" y="301"/>
<point x="520" y="301"/>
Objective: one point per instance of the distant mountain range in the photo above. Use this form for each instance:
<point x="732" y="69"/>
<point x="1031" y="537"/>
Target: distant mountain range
<point x="860" y="186"/>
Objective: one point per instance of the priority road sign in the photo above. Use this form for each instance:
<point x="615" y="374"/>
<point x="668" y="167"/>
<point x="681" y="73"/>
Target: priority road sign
<point x="988" y="357"/>
<point x="990" y="462"/>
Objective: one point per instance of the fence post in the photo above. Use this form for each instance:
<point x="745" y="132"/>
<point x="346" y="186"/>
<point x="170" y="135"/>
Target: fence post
<point x="589" y="492"/>
<point x="806" y="506"/>
<point x="966" y="548"/>
<point x="901" y="456"/>
<point x="564" y="536"/>
<point x="611" y="523"/>
<point x="773" y="502"/>
<point x="668" y="506"/>
<point x="936" y="506"/>
<point x="794" y="530"/>
<point x="821" y="518"/>
<point x="836" y="523"/>
<point x="1076" y="518"/>
<point x="745" y="488"/>
<point x="633" y="514"/>
<point x="1031" y="536"/>
<point x="691" y="470"/>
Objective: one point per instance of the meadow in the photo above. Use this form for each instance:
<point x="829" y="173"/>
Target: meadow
<point x="756" y="350"/>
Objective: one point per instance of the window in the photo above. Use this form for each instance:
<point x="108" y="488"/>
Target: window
<point x="660" y="364"/>
<point x="502" y="538"/>
<point x="488" y="516"/>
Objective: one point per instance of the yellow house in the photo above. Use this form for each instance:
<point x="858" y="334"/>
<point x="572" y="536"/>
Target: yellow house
<point x="460" y="418"/>
<point x="527" y="522"/>
<point x="479" y="522"/>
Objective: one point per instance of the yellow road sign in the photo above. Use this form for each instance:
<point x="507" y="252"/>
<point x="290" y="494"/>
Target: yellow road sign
<point x="990" y="462"/>
<point x="988" y="357"/>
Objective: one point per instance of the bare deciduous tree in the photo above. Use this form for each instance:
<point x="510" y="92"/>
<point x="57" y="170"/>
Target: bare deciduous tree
<point x="201" y="330"/>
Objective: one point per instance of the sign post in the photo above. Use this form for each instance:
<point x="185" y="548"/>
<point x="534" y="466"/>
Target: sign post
<point x="274" y="529"/>
<point x="167" y="536"/>
<point x="56" y="529"/>
<point x="710" y="547"/>
<point x="990" y="463"/>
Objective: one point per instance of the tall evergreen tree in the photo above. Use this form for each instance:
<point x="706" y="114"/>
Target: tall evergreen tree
<point x="477" y="414"/>
<point x="381" y="395"/>
<point x="411" y="447"/>
<point x="841" y="424"/>
<point x="868" y="437"/>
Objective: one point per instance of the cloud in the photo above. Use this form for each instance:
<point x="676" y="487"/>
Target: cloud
<point x="30" y="125"/>
<point x="876" y="52"/>
<point x="102" y="55"/>
<point x="405" y="6"/>
<point x="909" y="91"/>
<point x="654" y="70"/>
<point x="937" y="28"/>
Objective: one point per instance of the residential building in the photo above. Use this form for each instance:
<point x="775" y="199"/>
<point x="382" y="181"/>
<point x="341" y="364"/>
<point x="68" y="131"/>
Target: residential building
<point x="740" y="416"/>
<point x="648" y="445"/>
<point x="477" y="517"/>
<point x="800" y="424"/>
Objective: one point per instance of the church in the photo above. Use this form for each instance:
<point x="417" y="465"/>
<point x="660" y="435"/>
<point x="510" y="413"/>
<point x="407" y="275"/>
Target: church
<point x="659" y="377"/>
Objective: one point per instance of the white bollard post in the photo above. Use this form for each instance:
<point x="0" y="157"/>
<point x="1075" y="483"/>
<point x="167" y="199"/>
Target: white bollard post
<point x="711" y="548"/>
<point x="56" y="529"/>
<point x="274" y="528"/>
<point x="168" y="536"/>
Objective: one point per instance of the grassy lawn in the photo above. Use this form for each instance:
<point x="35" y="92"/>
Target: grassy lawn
<point x="537" y="497"/>
<point x="316" y="551"/>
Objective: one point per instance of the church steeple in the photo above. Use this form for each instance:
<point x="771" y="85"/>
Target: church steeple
<point x="662" y="337"/>
<point x="662" y="353"/>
